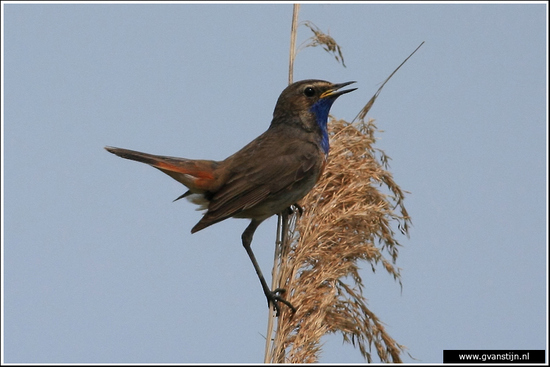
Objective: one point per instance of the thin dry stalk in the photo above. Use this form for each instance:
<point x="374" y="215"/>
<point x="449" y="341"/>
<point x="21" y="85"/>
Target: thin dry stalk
<point x="363" y="113"/>
<point x="347" y="218"/>
<point x="282" y="243"/>
<point x="293" y="35"/>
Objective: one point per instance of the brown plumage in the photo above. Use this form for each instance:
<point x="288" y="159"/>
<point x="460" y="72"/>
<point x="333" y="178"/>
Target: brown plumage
<point x="272" y="172"/>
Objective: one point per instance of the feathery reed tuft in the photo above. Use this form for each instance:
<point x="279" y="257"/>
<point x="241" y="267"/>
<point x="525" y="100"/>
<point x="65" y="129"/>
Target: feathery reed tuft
<point x="346" y="218"/>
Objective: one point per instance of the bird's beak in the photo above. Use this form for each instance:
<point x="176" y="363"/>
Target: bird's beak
<point x="332" y="92"/>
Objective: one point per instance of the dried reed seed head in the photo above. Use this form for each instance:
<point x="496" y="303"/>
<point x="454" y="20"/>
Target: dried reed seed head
<point x="328" y="43"/>
<point x="347" y="218"/>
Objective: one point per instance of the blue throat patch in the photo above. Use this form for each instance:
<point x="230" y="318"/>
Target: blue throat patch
<point x="321" y="109"/>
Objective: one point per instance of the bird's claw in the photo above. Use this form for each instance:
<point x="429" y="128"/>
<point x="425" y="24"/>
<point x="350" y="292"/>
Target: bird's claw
<point x="295" y="207"/>
<point x="273" y="298"/>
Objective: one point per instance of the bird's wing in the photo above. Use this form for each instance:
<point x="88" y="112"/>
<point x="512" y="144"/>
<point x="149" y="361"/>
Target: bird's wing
<point x="268" y="171"/>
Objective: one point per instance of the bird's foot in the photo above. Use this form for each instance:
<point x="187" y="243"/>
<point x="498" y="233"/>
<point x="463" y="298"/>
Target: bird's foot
<point x="295" y="208"/>
<point x="274" y="297"/>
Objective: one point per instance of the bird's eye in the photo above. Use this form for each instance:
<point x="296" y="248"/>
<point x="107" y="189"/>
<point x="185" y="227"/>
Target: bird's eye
<point x="309" y="92"/>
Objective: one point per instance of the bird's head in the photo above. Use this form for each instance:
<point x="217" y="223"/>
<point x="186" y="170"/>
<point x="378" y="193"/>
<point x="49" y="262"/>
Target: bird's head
<point x="308" y="95"/>
<point x="308" y="102"/>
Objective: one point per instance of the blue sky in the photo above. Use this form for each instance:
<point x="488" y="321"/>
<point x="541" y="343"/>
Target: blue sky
<point x="100" y="266"/>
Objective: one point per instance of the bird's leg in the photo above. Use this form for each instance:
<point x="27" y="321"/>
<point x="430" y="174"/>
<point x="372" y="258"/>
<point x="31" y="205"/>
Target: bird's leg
<point x="273" y="297"/>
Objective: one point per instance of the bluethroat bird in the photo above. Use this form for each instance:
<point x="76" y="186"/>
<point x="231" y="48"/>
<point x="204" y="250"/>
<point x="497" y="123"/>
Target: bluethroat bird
<point x="268" y="175"/>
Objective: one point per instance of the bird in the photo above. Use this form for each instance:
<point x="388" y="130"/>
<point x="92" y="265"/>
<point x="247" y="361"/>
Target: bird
<point x="267" y="176"/>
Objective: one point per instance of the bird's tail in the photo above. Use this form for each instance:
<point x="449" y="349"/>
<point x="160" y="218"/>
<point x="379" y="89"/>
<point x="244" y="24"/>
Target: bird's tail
<point x="198" y="175"/>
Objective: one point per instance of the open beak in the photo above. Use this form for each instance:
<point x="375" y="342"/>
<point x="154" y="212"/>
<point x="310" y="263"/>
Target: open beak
<point x="333" y="91"/>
